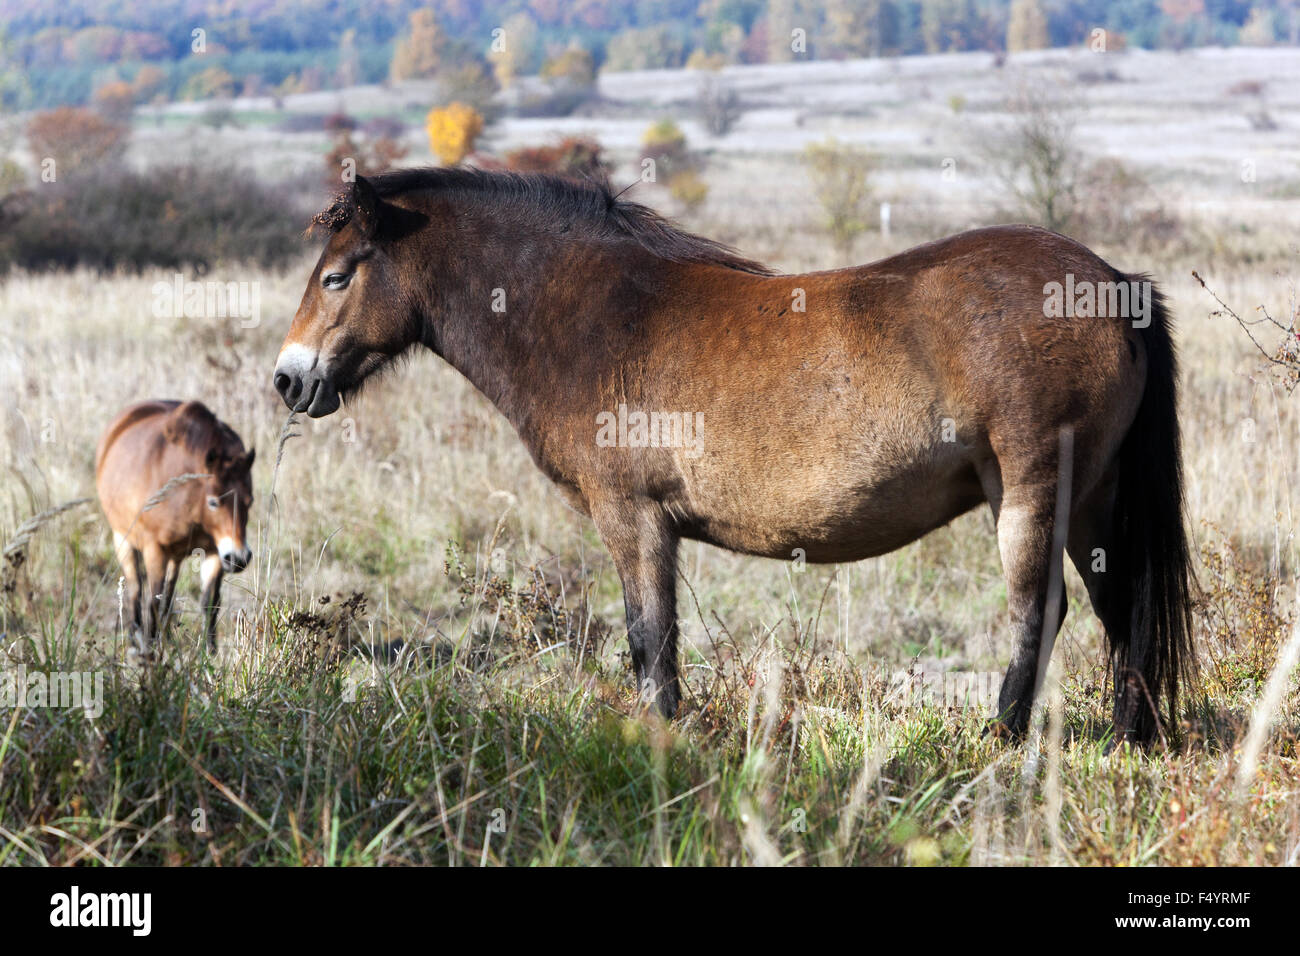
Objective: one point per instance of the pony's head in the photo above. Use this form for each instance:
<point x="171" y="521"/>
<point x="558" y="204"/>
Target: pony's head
<point x="225" y="494"/>
<point x="416" y="250"/>
<point x="357" y="313"/>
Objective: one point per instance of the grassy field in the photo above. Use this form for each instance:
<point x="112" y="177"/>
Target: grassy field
<point x="426" y="661"/>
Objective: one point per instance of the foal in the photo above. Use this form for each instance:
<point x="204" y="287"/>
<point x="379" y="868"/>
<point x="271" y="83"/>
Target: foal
<point x="161" y="516"/>
<point x="838" y="415"/>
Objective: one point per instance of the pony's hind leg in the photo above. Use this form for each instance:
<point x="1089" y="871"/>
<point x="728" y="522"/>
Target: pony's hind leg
<point x="644" y="548"/>
<point x="1098" y="554"/>
<point x="1026" y="543"/>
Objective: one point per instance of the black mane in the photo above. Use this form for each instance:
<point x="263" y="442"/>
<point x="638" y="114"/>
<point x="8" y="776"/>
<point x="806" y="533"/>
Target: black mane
<point x="569" y="202"/>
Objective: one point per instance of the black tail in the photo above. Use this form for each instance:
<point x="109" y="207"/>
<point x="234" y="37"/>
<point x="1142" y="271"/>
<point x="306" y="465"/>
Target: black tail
<point x="1155" y="657"/>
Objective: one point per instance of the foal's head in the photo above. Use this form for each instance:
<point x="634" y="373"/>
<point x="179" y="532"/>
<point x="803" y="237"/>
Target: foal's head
<point x="226" y="492"/>
<point x="360" y="310"/>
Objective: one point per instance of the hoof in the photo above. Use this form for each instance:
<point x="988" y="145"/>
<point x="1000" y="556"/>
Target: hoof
<point x="1001" y="730"/>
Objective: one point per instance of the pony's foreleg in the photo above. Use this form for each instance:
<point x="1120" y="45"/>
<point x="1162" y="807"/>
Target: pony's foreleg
<point x="644" y="548"/>
<point x="210" y="598"/>
<point x="1028" y="547"/>
<point x="155" y="565"/>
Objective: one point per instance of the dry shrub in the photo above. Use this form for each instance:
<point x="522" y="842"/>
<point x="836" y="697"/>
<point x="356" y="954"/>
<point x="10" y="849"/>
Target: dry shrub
<point x="1113" y="206"/>
<point x="1247" y="88"/>
<point x="689" y="189"/>
<point x="1244" y="620"/>
<point x="471" y="83"/>
<point x="719" y="106"/>
<point x="532" y="615"/>
<point x="665" y="143"/>
<point x="369" y="156"/>
<point x="573" y="156"/>
<point x="169" y="217"/>
<point x="1284" y="358"/>
<point x="676" y="166"/>
<point x="335" y="627"/>
<point x="841" y="182"/>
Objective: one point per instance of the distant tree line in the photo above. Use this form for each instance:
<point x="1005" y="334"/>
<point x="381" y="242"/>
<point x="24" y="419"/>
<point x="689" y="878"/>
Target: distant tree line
<point x="56" y="54"/>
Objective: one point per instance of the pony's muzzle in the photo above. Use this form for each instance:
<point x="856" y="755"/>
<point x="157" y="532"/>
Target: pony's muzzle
<point x="301" y="380"/>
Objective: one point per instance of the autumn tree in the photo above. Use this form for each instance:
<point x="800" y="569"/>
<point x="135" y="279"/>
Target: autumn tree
<point x="148" y="83"/>
<point x="212" y="83"/>
<point x="452" y="131"/>
<point x="650" y="48"/>
<point x="469" y="81"/>
<point x="115" y="100"/>
<point x="783" y="17"/>
<point x="514" y="50"/>
<point x="1184" y="17"/>
<point x="950" y="25"/>
<point x="861" y="27"/>
<point x="349" y="68"/>
<point x="575" y="66"/>
<point x="76" y="139"/>
<point x="419" y="54"/>
<point x="13" y="81"/>
<point x="1027" y="26"/>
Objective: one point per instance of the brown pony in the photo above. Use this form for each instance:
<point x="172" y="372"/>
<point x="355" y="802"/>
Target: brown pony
<point x="672" y="389"/>
<point x="160" y="514"/>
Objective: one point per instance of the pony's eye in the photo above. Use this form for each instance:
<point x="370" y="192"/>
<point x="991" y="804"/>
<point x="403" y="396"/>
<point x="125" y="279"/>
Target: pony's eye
<point x="213" y="503"/>
<point x="337" y="280"/>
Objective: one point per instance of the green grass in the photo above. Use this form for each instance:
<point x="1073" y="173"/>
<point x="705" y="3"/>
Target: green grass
<point x="517" y="741"/>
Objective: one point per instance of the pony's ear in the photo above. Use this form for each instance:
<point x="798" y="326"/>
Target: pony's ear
<point x="365" y="206"/>
<point x="248" y="459"/>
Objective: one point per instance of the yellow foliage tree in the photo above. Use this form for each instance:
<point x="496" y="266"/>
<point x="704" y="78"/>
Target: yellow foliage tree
<point x="419" y="54"/>
<point x="452" y="131"/>
<point x="1027" y="26"/>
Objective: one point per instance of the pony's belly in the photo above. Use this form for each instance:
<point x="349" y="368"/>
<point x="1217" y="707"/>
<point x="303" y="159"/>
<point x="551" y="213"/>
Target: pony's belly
<point x="857" y="523"/>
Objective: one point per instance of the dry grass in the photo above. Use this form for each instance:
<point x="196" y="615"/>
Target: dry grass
<point x="505" y="685"/>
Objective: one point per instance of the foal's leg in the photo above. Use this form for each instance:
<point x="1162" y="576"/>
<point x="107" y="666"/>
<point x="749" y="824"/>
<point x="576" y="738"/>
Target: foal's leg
<point x="1026" y="544"/>
<point x="168" y="593"/>
<point x="155" y="566"/>
<point x="129" y="558"/>
<point x="643" y="545"/>
<point x="210" y="598"/>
